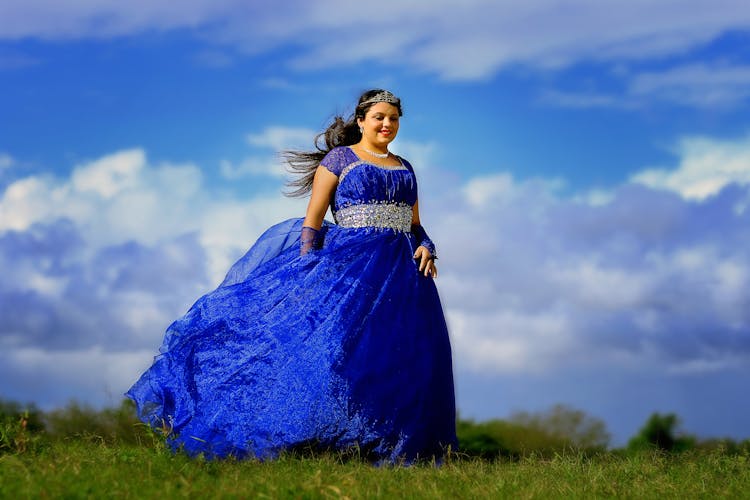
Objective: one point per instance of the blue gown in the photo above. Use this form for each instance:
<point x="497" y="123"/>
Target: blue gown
<point x="343" y="347"/>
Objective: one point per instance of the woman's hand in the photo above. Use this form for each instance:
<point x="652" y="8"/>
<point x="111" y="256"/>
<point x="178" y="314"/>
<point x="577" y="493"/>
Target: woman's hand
<point x="426" y="261"/>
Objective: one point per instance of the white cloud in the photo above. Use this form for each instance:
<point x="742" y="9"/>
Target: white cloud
<point x="251" y="166"/>
<point x="467" y="41"/>
<point x="6" y="161"/>
<point x="276" y="138"/>
<point x="636" y="277"/>
<point x="583" y="100"/>
<point x="104" y="18"/>
<point x="504" y="340"/>
<point x="595" y="197"/>
<point x="422" y="155"/>
<point x="121" y="197"/>
<point x="480" y="190"/>
<point x="281" y="138"/>
<point x="700" y="85"/>
<point x="706" y="166"/>
<point x="110" y="175"/>
<point x="59" y="377"/>
<point x="599" y="286"/>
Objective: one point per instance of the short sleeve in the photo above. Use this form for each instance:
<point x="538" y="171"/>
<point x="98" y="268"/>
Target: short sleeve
<point x="335" y="160"/>
<point x="406" y="164"/>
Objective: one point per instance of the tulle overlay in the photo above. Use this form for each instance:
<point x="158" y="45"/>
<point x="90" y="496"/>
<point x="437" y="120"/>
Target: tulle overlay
<point x="343" y="347"/>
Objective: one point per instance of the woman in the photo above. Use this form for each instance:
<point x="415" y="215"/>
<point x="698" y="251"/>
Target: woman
<point x="323" y="335"/>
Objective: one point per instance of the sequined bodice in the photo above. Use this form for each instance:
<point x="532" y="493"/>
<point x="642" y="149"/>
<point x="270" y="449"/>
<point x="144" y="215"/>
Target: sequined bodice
<point x="373" y="195"/>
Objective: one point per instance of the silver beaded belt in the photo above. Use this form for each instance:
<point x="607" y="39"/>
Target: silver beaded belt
<point x="385" y="215"/>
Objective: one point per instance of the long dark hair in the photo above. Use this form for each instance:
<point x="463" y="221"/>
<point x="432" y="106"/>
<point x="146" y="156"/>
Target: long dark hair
<point x="338" y="133"/>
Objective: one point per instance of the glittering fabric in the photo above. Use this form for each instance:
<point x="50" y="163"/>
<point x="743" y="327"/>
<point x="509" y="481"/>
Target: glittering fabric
<point x="384" y="215"/>
<point x="342" y="347"/>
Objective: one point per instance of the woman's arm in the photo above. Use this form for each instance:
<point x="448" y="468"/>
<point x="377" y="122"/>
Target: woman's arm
<point x="324" y="184"/>
<point x="424" y="254"/>
<point x="323" y="187"/>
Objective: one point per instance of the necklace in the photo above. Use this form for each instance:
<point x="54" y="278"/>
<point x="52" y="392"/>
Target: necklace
<point x="377" y="155"/>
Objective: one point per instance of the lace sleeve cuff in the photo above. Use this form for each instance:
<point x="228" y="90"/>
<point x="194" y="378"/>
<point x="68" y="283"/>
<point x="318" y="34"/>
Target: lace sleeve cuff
<point x="423" y="239"/>
<point x="309" y="239"/>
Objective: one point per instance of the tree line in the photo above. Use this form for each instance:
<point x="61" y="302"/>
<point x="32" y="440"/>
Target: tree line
<point x="560" y="429"/>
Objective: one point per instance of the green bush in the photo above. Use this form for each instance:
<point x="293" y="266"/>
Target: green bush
<point x="20" y="427"/>
<point x="660" y="432"/>
<point x="565" y="424"/>
<point x="724" y="446"/>
<point x="109" y="425"/>
<point x="15" y="435"/>
<point x="11" y="410"/>
<point x="557" y="430"/>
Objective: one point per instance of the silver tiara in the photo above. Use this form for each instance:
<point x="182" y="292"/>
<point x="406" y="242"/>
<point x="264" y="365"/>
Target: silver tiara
<point x="382" y="96"/>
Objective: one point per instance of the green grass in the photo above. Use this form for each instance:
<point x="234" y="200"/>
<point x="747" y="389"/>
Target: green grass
<point x="92" y="468"/>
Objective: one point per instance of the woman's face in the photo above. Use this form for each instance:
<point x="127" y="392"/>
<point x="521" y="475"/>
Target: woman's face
<point x="380" y="124"/>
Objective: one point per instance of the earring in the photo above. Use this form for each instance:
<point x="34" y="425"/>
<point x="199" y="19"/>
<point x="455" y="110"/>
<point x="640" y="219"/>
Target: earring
<point x="360" y="130"/>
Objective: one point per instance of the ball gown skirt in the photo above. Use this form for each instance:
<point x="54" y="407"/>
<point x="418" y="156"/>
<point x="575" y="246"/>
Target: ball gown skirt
<point x="342" y="348"/>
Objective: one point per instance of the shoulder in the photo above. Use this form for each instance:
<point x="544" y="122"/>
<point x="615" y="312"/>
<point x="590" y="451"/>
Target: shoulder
<point x="338" y="158"/>
<point x="406" y="163"/>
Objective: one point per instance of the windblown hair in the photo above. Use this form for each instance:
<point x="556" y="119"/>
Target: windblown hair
<point x="338" y="133"/>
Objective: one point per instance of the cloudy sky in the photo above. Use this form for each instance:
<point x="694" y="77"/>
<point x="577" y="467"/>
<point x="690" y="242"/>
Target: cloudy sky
<point x="584" y="169"/>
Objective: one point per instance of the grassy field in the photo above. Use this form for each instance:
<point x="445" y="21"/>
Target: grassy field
<point x="79" y="452"/>
<point x="91" y="468"/>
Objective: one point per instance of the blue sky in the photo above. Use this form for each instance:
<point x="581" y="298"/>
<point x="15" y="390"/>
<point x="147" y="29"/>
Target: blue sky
<point x="584" y="170"/>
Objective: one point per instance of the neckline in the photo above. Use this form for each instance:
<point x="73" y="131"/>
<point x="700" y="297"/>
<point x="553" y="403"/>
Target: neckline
<point x="362" y="160"/>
